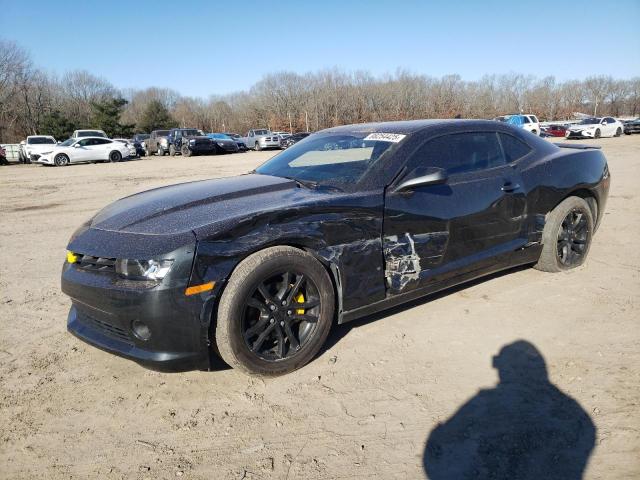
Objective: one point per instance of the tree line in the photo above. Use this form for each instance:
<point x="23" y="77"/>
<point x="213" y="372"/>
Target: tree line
<point x="33" y="101"/>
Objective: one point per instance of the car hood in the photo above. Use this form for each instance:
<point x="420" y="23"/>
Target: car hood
<point x="583" y="127"/>
<point x="187" y="207"/>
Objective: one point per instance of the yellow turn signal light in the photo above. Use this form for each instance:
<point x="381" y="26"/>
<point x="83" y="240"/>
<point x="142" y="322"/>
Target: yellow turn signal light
<point x="205" y="287"/>
<point x="72" y="257"/>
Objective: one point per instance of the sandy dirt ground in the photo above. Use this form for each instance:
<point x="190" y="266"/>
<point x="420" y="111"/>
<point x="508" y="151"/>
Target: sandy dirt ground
<point x="363" y="409"/>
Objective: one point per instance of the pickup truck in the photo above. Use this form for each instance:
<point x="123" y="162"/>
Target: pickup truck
<point x="190" y="141"/>
<point x="157" y="143"/>
<point x="259" y="139"/>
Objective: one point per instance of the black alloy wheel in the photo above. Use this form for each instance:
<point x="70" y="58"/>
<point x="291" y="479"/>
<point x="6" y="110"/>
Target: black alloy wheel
<point x="280" y="315"/>
<point x="115" y="156"/>
<point x="618" y="132"/>
<point x="185" y="151"/>
<point x="567" y="235"/>
<point x="275" y="312"/>
<point x="572" y="238"/>
<point x="597" y="134"/>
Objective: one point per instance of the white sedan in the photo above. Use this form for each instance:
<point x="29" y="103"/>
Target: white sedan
<point x="596" y="128"/>
<point x="86" y="149"/>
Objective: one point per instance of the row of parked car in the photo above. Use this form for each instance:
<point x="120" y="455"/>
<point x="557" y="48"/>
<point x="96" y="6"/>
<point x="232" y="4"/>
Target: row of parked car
<point x="95" y="146"/>
<point x="191" y="141"/>
<point x="589" y="127"/>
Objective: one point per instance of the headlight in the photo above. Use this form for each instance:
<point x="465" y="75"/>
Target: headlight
<point x="47" y="153"/>
<point x="192" y="141"/>
<point x="221" y="144"/>
<point x="143" y="269"/>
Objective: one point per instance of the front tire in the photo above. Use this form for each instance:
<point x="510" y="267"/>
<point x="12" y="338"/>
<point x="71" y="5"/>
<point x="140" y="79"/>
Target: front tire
<point x="61" y="160"/>
<point x="186" y="152"/>
<point x="597" y="134"/>
<point x="172" y="151"/>
<point x="161" y="151"/>
<point x="275" y="313"/>
<point x="257" y="146"/>
<point x="567" y="235"/>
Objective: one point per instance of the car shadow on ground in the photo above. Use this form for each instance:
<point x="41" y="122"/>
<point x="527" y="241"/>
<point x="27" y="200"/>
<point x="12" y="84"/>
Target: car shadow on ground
<point x="338" y="332"/>
<point x="524" y="428"/>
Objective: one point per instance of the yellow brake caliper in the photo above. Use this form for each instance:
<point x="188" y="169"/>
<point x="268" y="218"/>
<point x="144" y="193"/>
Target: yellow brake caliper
<point x="300" y="299"/>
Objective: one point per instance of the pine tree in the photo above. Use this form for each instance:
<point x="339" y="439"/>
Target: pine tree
<point x="156" y="116"/>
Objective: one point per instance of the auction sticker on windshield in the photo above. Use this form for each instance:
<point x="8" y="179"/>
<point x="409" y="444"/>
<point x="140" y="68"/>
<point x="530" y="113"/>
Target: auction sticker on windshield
<point x="385" y="137"/>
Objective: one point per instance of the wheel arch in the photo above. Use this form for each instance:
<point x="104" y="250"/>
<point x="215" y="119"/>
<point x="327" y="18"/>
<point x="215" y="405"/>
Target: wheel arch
<point x="587" y="195"/>
<point x="210" y="309"/>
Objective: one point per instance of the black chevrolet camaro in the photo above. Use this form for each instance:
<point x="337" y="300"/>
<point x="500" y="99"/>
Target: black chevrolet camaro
<point x="347" y="222"/>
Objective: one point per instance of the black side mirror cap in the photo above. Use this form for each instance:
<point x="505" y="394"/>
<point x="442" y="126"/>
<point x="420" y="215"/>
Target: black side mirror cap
<point x="423" y="177"/>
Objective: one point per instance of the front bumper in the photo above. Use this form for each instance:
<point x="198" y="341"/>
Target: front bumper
<point x="580" y="134"/>
<point x="104" y="309"/>
<point x="269" y="144"/>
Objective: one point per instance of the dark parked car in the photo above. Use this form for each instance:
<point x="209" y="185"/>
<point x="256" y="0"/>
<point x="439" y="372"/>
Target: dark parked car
<point x="224" y="143"/>
<point x="632" y="126"/>
<point x="351" y="221"/>
<point x="242" y="147"/>
<point x="190" y="141"/>
<point x="553" y="131"/>
<point x="295" y="138"/>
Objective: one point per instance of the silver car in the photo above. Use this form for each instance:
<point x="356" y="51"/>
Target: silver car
<point x="260" y="139"/>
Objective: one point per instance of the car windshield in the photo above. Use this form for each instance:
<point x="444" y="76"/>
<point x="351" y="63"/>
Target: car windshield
<point x="234" y="135"/>
<point x="261" y="132"/>
<point x="590" y="121"/>
<point x="162" y="133"/>
<point x="90" y="133"/>
<point x="330" y="159"/>
<point x="142" y="136"/>
<point x="219" y="136"/>
<point x="40" y="141"/>
<point x="67" y="142"/>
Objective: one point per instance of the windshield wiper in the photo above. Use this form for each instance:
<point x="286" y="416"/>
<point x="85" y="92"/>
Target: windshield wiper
<point x="303" y="183"/>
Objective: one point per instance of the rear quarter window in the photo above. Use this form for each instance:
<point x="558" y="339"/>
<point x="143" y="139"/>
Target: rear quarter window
<point x="513" y="148"/>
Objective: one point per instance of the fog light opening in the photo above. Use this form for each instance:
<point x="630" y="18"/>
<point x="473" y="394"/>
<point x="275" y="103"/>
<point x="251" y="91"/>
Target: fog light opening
<point x="141" y="330"/>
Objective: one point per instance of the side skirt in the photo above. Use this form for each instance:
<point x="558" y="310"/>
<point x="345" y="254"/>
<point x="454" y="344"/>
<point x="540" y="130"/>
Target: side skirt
<point x="520" y="257"/>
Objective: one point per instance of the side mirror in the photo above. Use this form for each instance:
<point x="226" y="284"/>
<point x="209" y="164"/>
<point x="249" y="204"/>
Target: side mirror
<point x="76" y="145"/>
<point x="424" y="176"/>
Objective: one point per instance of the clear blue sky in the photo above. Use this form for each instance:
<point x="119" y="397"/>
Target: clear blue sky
<point x="215" y="47"/>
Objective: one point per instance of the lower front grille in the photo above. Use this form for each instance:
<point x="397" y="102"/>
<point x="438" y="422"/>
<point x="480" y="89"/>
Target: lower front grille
<point x="107" y="329"/>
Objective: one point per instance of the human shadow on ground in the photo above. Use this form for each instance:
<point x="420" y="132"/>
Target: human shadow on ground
<point x="524" y="428"/>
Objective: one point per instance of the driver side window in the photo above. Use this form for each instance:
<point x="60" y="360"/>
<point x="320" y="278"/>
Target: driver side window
<point x="460" y="153"/>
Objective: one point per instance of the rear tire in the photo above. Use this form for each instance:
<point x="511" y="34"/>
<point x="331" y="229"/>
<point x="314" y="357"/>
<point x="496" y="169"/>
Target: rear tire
<point x="618" y="132"/>
<point x="243" y="302"/>
<point x="566" y="237"/>
<point x="115" y="156"/>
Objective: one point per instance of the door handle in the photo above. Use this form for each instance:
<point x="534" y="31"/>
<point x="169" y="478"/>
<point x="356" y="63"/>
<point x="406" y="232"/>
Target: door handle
<point x="510" y="187"/>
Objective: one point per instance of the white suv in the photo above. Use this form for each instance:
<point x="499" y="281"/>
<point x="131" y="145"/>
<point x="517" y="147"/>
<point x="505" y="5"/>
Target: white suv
<point x="531" y="124"/>
<point x="89" y="133"/>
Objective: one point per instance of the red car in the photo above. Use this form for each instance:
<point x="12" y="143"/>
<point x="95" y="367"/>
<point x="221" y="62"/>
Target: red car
<point x="555" y="130"/>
